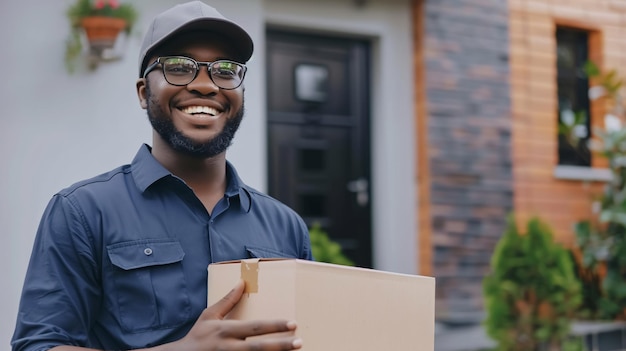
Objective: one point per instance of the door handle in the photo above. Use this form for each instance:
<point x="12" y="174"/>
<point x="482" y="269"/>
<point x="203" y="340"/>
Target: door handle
<point x="360" y="186"/>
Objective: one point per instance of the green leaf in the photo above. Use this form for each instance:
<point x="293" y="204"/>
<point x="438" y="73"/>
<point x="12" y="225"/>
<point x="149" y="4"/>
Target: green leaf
<point x="591" y="69"/>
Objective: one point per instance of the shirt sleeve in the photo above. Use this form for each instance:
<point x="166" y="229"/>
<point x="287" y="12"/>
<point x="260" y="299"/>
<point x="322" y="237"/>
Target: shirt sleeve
<point x="61" y="290"/>
<point x="306" y="252"/>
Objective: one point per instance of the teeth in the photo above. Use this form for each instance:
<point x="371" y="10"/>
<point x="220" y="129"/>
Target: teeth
<point x="200" y="109"/>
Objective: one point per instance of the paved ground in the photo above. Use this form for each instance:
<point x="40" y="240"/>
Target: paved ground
<point x="601" y="335"/>
<point x="465" y="338"/>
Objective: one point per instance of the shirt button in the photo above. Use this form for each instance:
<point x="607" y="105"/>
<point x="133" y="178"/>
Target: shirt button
<point x="147" y="251"/>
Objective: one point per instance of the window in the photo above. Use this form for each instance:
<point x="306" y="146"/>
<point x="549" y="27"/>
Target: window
<point x="574" y="120"/>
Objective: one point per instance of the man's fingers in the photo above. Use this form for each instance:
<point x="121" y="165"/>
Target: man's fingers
<point x="267" y="344"/>
<point x="244" y="329"/>
<point x="235" y="332"/>
<point x="221" y="308"/>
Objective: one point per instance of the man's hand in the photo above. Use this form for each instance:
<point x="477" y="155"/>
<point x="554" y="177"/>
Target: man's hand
<point x="212" y="333"/>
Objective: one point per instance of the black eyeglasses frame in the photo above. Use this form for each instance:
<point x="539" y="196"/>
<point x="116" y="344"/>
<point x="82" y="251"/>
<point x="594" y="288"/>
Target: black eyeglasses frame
<point x="159" y="60"/>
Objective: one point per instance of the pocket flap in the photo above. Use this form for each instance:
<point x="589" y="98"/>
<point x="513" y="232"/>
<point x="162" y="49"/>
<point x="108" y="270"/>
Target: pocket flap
<point x="258" y="252"/>
<point x="138" y="254"/>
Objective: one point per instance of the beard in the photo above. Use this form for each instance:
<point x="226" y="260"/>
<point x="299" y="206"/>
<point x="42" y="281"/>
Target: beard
<point x="163" y="125"/>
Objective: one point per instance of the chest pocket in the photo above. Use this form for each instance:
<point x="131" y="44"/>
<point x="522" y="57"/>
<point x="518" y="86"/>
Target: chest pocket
<point x="150" y="288"/>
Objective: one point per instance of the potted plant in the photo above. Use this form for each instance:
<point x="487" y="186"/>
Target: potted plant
<point x="101" y="21"/>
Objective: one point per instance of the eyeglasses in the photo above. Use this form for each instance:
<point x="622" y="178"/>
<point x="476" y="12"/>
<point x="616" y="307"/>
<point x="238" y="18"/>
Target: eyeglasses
<point x="181" y="70"/>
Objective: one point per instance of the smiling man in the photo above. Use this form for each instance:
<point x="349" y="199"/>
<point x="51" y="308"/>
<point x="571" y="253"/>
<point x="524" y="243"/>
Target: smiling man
<point x="120" y="260"/>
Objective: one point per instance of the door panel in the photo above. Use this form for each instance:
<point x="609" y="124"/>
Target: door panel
<point x="318" y="135"/>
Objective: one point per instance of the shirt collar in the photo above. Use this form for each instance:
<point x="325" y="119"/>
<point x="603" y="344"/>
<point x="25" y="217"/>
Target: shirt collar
<point x="235" y="187"/>
<point x="146" y="170"/>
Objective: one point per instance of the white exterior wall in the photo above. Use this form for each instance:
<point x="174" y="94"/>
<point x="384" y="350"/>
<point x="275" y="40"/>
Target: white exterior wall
<point x="60" y="128"/>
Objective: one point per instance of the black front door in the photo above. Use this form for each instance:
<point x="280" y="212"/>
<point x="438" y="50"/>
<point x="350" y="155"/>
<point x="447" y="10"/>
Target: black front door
<point x="318" y="135"/>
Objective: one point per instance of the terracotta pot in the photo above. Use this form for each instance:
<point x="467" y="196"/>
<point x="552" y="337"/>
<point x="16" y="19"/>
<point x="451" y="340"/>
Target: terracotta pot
<point x="102" y="31"/>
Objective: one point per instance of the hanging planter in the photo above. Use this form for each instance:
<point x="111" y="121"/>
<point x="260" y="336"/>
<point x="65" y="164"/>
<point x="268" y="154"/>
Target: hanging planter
<point x="97" y="24"/>
<point x="102" y="31"/>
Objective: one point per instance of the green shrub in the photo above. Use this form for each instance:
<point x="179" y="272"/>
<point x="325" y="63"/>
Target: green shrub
<point x="532" y="291"/>
<point x="602" y="239"/>
<point x="604" y="287"/>
<point x="326" y="250"/>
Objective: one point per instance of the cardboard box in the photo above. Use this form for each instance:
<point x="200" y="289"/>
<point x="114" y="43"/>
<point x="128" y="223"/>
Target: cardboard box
<point x="336" y="307"/>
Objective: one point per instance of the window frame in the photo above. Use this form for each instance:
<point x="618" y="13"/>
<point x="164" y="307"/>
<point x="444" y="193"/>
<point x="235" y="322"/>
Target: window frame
<point x="599" y="166"/>
<point x="575" y="42"/>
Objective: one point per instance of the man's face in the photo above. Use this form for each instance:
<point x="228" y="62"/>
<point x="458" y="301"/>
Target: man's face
<point x="198" y="119"/>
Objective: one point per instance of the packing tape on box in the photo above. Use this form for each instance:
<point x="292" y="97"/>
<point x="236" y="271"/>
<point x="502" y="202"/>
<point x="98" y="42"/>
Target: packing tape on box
<point x="250" y="275"/>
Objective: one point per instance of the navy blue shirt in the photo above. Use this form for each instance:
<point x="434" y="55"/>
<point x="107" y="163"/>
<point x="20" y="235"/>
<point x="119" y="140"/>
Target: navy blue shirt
<point x="120" y="260"/>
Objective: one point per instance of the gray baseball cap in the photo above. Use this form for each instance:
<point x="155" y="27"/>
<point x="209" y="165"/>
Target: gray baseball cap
<point x="193" y="16"/>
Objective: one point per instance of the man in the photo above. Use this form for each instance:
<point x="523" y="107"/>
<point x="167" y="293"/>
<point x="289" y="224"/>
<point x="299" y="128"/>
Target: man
<point x="120" y="260"/>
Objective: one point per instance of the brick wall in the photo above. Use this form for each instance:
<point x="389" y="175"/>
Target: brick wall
<point x="487" y="124"/>
<point x="533" y="25"/>
<point x="467" y="118"/>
